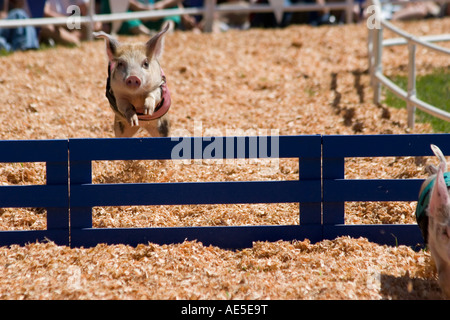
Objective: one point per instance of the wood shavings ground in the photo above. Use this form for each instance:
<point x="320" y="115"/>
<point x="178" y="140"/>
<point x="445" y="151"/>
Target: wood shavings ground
<point x="298" y="80"/>
<point x="340" y="269"/>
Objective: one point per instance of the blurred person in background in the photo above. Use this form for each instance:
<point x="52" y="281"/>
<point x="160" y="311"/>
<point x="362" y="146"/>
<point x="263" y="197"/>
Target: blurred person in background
<point x="143" y="26"/>
<point x="19" y="38"/>
<point x="418" y="10"/>
<point x="61" y="33"/>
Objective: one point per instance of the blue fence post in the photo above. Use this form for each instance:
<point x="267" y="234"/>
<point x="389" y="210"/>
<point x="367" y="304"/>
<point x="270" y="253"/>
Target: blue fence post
<point x="310" y="169"/>
<point x="58" y="217"/>
<point x="80" y="173"/>
<point x="308" y="150"/>
<point x="333" y="168"/>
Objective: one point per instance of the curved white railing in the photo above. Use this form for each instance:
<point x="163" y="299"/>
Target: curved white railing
<point x="375" y="50"/>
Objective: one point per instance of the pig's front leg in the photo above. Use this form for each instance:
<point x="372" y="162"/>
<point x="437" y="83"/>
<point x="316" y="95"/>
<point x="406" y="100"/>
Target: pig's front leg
<point x="150" y="104"/>
<point x="122" y="129"/>
<point x="127" y="109"/>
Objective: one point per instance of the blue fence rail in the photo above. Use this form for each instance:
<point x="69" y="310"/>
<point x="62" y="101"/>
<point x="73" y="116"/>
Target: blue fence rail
<point x="321" y="189"/>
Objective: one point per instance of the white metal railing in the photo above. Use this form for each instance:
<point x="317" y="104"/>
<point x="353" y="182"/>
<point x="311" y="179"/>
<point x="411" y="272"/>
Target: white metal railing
<point x="377" y="78"/>
<point x="208" y="11"/>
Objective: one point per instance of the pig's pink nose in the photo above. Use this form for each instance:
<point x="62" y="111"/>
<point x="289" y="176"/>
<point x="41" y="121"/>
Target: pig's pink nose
<point x="133" y="82"/>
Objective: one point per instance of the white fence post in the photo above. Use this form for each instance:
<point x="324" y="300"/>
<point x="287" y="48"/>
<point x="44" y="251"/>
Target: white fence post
<point x="370" y="54"/>
<point x="411" y="108"/>
<point x="378" y="66"/>
<point x="90" y="25"/>
<point x="349" y="11"/>
<point x="210" y="6"/>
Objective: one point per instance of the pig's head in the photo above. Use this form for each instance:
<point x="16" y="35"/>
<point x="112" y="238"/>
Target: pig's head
<point x="134" y="67"/>
<point x="439" y="223"/>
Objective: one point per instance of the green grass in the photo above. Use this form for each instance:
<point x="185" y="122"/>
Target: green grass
<point x="434" y="89"/>
<point x="4" y="53"/>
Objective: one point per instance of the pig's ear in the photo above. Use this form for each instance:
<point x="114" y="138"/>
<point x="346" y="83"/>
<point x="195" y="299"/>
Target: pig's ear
<point x="439" y="194"/>
<point x="111" y="44"/>
<point x="156" y="44"/>
<point x="438" y="153"/>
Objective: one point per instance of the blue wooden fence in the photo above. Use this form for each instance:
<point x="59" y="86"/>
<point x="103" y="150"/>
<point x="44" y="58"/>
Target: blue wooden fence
<point x="321" y="189"/>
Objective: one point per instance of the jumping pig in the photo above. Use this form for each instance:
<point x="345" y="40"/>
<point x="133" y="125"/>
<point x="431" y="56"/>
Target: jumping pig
<point x="136" y="87"/>
<point x="433" y="218"/>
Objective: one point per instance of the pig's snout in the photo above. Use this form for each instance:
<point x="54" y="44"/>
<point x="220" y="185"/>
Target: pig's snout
<point x="133" y="82"/>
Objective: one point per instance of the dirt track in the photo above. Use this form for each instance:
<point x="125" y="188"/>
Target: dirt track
<point x="299" y="80"/>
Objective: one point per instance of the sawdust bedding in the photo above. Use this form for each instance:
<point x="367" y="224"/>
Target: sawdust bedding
<point x="298" y="80"/>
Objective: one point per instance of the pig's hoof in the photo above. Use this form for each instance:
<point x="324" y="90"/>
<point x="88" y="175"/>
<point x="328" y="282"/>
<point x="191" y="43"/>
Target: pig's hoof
<point x="133" y="121"/>
<point x="148" y="110"/>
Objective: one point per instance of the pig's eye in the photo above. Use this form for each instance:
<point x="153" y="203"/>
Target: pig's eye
<point x="145" y="64"/>
<point x="120" y="64"/>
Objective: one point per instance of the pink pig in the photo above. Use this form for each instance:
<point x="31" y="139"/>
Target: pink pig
<point x="433" y="216"/>
<point x="136" y="87"/>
